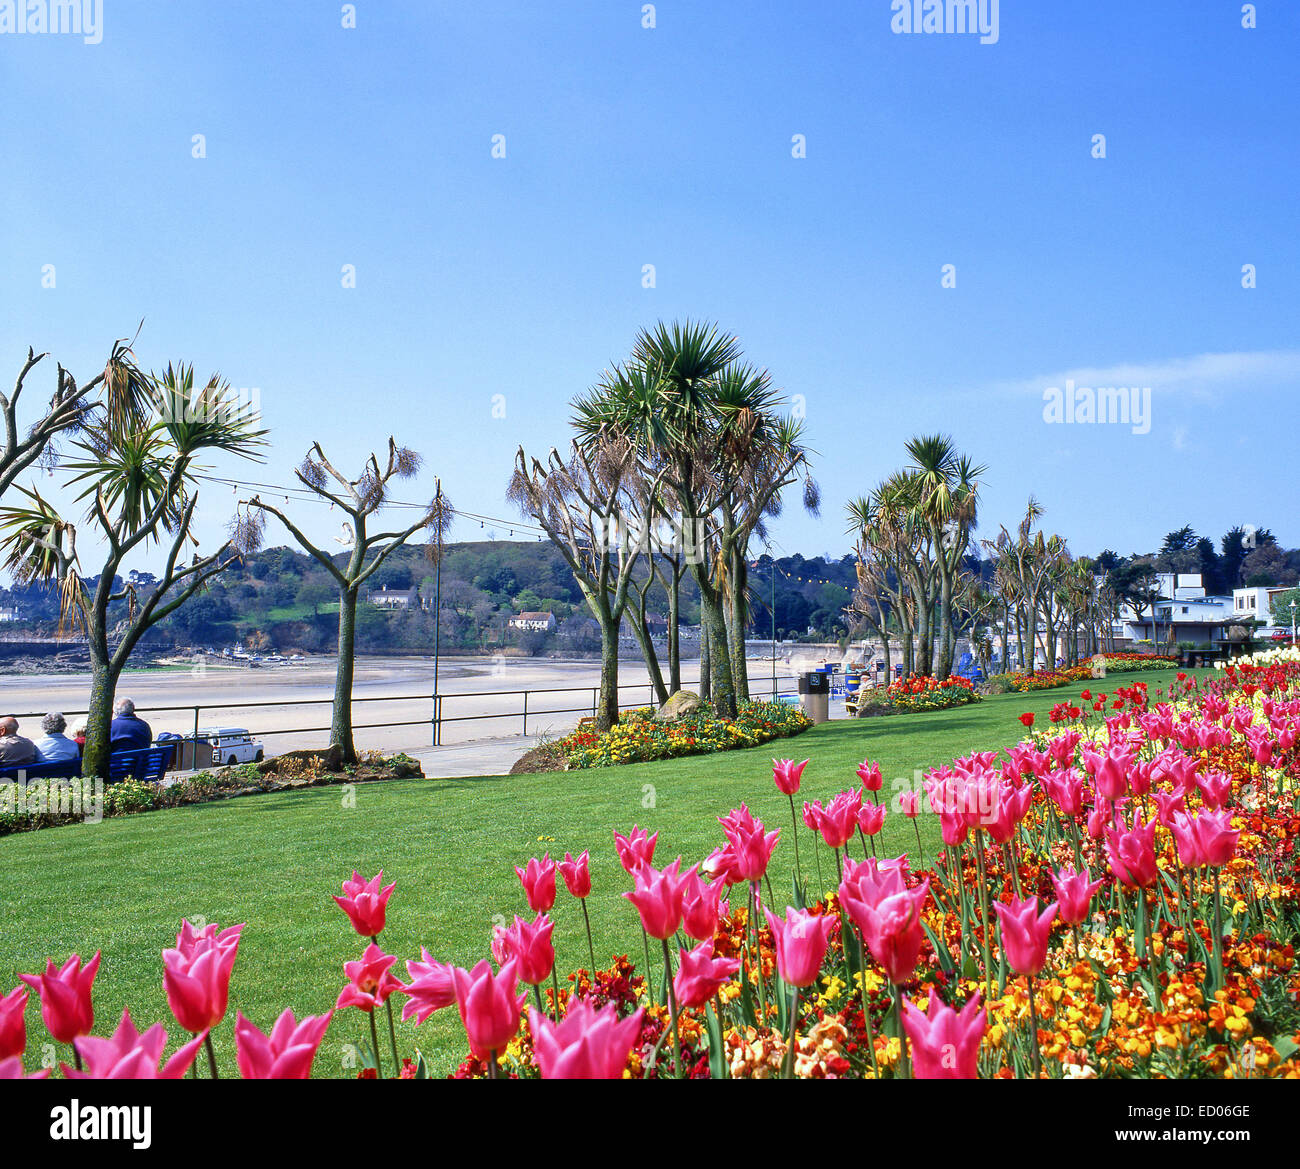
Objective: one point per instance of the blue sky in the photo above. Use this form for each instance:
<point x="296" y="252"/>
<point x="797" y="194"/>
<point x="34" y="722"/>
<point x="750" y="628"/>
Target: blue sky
<point x="672" y="146"/>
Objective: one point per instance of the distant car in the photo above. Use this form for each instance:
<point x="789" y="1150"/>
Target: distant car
<point x="231" y="745"/>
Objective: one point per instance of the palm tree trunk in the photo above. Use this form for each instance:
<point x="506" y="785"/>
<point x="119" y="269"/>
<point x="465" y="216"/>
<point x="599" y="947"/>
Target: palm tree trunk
<point x="607" y="703"/>
<point x="736" y="643"/>
<point x="674" y="633"/>
<point x="706" y="660"/>
<point x="99" y="718"/>
<point x="721" y="685"/>
<point x="341" y="722"/>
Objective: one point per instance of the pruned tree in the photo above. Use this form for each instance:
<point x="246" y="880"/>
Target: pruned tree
<point x="360" y="499"/>
<point x="138" y="475"/>
<point x="590" y="507"/>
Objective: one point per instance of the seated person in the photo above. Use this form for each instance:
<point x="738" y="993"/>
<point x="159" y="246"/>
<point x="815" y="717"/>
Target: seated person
<point x="79" y="733"/>
<point x="56" y="747"/>
<point x="15" y="751"/>
<point x="127" y="732"/>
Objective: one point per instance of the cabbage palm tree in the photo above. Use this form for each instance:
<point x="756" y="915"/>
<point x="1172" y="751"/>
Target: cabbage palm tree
<point x="138" y="478"/>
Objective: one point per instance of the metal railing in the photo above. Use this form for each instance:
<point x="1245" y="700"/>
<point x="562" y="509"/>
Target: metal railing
<point x="435" y="719"/>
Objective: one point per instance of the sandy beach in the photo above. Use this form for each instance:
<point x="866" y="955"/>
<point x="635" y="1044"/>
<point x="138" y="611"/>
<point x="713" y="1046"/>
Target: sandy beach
<point x="292" y="700"/>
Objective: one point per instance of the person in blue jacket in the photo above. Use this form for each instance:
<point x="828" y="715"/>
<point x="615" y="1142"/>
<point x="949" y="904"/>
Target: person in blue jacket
<point x="56" y="747"/>
<point x="128" y="732"/>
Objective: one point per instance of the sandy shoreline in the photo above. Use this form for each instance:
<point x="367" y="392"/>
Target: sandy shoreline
<point x="293" y="699"/>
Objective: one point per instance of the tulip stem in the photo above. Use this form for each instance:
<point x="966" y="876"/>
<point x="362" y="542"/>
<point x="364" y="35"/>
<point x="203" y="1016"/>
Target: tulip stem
<point x="374" y="1045"/>
<point x="649" y="978"/>
<point x="758" y="950"/>
<point x="1218" y="931"/>
<point x="672" y="1009"/>
<point x="787" y="1072"/>
<point x="1035" y="1055"/>
<point x="537" y="994"/>
<point x="555" y="985"/>
<point x="919" y="846"/>
<point x="794" y="824"/>
<point x="904" y="1065"/>
<point x="212" y="1055"/>
<point x="978" y="841"/>
<point x="392" y="1037"/>
<point x="591" y="949"/>
<point x="76" y="1056"/>
<point x="494" y="1070"/>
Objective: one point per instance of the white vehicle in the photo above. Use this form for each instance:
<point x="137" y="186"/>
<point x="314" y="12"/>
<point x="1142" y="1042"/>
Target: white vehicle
<point x="231" y="745"/>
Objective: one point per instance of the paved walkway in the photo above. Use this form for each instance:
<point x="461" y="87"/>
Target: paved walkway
<point x="482" y="757"/>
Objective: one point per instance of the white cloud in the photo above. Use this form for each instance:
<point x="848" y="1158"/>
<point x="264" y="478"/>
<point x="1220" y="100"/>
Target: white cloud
<point x="1205" y="375"/>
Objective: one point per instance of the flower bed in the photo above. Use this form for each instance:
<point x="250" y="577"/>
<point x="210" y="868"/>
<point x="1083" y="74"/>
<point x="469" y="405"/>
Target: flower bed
<point x="1120" y="898"/>
<point x="922" y="692"/>
<point x="1123" y="663"/>
<point x="49" y="803"/>
<point x="637" y="738"/>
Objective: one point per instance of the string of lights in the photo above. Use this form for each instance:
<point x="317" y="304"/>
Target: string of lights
<point x="306" y="495"/>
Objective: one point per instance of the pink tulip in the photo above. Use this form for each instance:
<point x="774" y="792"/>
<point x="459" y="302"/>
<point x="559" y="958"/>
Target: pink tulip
<point x="366" y="903"/>
<point x="1167" y="804"/>
<point x="1112" y="773"/>
<point x="1216" y="789"/>
<point x="870" y="775"/>
<point x="370" y="981"/>
<point x="871" y="818"/>
<point x="838" y="820"/>
<point x="701" y="906"/>
<point x="945" y="1044"/>
<point x="720" y="866"/>
<point x="13" y="1024"/>
<point x="891" y="927"/>
<point x="786" y="774"/>
<point x="909" y="804"/>
<point x="489" y="1006"/>
<point x="12" y="1069"/>
<point x="529" y="944"/>
<point x="589" y="1044"/>
<point x="1025" y="933"/>
<point x="751" y="845"/>
<point x="576" y="874"/>
<point x="1206" y="839"/>
<point x="128" y="1055"/>
<point x="538" y="880"/>
<point x="65" y="997"/>
<point x="801" y="940"/>
<point x="1074" y="893"/>
<point x="635" y="849"/>
<point x="432" y="987"/>
<point x="1132" y="853"/>
<point x="286" y="1054"/>
<point x="701" y="975"/>
<point x="1065" y="789"/>
<point x="196" y="975"/>
<point x="658" y="898"/>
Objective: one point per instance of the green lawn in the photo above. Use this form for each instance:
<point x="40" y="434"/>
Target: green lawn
<point x="274" y="860"/>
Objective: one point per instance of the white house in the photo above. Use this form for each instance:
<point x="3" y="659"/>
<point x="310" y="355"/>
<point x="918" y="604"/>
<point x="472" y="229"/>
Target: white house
<point x="386" y="598"/>
<point x="1258" y="603"/>
<point x="533" y="622"/>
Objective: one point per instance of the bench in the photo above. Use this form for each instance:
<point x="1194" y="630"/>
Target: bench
<point x="147" y="764"/>
<point x="63" y="769"/>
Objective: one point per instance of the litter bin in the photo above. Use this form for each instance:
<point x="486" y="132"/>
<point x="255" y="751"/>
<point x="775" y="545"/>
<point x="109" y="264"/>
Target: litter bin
<point x="815" y="694"/>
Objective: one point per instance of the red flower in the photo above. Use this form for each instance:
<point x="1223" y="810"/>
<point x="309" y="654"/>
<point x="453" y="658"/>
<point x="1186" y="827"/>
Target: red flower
<point x="1027" y="718"/>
